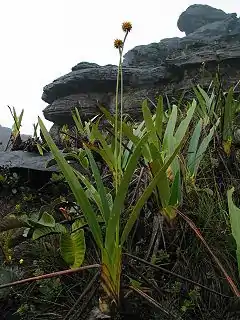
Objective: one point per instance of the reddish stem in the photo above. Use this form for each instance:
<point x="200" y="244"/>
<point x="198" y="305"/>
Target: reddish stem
<point x="49" y="275"/>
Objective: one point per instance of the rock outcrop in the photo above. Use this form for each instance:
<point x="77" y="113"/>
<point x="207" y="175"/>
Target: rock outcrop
<point x="169" y="67"/>
<point x="197" y="16"/>
<point x="26" y="160"/>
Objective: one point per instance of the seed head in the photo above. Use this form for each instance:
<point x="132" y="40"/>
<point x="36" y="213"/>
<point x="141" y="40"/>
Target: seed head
<point x="127" y="26"/>
<point x="118" y="43"/>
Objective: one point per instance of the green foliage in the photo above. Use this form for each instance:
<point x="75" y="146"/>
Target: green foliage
<point x="197" y="148"/>
<point x="17" y="121"/>
<point x="73" y="247"/>
<point x="207" y="105"/>
<point x="234" y="213"/>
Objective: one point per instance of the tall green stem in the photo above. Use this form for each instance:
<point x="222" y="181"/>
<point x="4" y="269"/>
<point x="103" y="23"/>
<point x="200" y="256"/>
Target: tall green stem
<point x="116" y="125"/>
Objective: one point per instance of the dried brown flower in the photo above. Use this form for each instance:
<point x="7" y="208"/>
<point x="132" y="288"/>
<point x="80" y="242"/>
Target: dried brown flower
<point x="127" y="26"/>
<point x="118" y="43"/>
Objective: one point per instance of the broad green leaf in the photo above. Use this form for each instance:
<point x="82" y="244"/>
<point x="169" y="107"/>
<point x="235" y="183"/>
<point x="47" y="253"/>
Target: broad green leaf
<point x="78" y="224"/>
<point x="46" y="220"/>
<point x="234" y="213"/>
<point x="73" y="248"/>
<point x="44" y="231"/>
<point x="75" y="186"/>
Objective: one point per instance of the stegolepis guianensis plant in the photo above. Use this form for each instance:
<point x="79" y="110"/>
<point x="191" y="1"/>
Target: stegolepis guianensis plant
<point x="110" y="239"/>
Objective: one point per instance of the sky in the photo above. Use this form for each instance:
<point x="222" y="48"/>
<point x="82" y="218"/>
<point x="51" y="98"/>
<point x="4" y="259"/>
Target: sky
<point x="42" y="39"/>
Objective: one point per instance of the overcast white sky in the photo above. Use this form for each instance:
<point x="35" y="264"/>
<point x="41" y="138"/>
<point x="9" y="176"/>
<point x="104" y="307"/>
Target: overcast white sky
<point x="42" y="39"/>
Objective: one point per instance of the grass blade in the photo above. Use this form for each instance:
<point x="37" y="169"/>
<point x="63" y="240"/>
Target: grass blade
<point x="234" y="213"/>
<point x="121" y="194"/>
<point x="75" y="186"/>
<point x="100" y="186"/>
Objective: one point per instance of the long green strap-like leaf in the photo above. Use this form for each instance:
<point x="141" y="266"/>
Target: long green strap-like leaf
<point x="100" y="186"/>
<point x="193" y="147"/>
<point x="121" y="194"/>
<point x="149" y="124"/>
<point x="170" y="126"/>
<point x="144" y="197"/>
<point x="106" y="148"/>
<point x="159" y="118"/>
<point x="234" y="213"/>
<point x="181" y="130"/>
<point x="94" y="195"/>
<point x="203" y="147"/>
<point x="75" y="186"/>
<point x="78" y="121"/>
<point x="229" y="110"/>
<point x="163" y="186"/>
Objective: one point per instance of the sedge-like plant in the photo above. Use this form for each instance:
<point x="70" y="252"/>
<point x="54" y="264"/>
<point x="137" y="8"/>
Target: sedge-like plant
<point x="94" y="199"/>
<point x="163" y="140"/>
<point x="111" y="237"/>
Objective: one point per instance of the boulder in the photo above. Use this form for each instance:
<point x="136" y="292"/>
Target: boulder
<point x="151" y="55"/>
<point x="26" y="160"/>
<point x="101" y="80"/>
<point x="199" y="15"/>
<point x="169" y="67"/>
<point x="85" y="65"/>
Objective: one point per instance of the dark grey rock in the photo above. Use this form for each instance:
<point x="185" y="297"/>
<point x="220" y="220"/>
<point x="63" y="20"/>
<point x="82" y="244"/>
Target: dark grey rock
<point x="5" y="134"/>
<point x="215" y="31"/>
<point x="199" y="15"/>
<point x="188" y="58"/>
<point x="85" y="65"/>
<point x="27" y="160"/>
<point x="60" y="110"/>
<point x="101" y="80"/>
<point x="164" y="68"/>
<point x="153" y="54"/>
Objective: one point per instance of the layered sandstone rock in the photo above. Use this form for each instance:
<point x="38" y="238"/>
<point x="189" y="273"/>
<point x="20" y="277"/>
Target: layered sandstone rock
<point x="169" y="67"/>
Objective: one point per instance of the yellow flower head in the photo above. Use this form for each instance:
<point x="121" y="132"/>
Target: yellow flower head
<point x="118" y="43"/>
<point x="21" y="261"/>
<point x="127" y="26"/>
